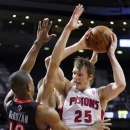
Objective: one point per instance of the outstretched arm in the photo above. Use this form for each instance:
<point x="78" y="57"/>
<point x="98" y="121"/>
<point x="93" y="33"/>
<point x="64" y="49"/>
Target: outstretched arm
<point x="29" y="60"/>
<point x="112" y="90"/>
<point x="42" y="37"/>
<point x="57" y="54"/>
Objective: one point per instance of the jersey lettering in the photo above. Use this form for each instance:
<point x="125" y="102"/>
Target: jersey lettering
<point x="18" y="117"/>
<point x="84" y="101"/>
<point x="18" y="126"/>
<point x="11" y="125"/>
<point x="80" y="107"/>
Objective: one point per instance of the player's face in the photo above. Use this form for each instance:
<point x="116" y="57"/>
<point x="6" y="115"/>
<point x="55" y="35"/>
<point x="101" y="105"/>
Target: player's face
<point x="81" y="78"/>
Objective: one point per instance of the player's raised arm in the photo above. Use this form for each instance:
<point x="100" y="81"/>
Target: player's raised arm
<point x="58" y="51"/>
<point x="30" y="58"/>
<point x="112" y="90"/>
<point x="42" y="38"/>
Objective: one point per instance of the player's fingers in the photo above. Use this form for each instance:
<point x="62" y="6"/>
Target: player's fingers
<point x="49" y="26"/>
<point x="39" y="26"/>
<point x="80" y="24"/>
<point x="114" y="37"/>
<point x="81" y="11"/>
<point x="106" y="128"/>
<point x="111" y="38"/>
<point x="79" y="7"/>
<point x="88" y="34"/>
<point x="107" y="124"/>
<point x="45" y="23"/>
<point x="89" y="31"/>
<point x="106" y="120"/>
<point x="95" y="52"/>
<point x="78" y="10"/>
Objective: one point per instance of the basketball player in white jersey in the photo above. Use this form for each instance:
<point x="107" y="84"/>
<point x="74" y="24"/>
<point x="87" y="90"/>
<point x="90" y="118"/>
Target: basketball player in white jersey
<point x="85" y="105"/>
<point x="30" y="60"/>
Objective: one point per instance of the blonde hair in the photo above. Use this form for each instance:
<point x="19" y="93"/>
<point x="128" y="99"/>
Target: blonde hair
<point x="81" y="62"/>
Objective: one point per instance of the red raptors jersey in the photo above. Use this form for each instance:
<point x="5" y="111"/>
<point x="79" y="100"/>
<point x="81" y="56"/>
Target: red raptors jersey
<point x="82" y="109"/>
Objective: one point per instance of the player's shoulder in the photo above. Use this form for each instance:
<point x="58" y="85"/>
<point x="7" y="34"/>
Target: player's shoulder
<point x="45" y="110"/>
<point x="69" y="83"/>
<point x="44" y="113"/>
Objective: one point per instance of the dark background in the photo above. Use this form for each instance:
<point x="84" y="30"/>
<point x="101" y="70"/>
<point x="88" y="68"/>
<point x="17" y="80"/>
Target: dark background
<point x="16" y="39"/>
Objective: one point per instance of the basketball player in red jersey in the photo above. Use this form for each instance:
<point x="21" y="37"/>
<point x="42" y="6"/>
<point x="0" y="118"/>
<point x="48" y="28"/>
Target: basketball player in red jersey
<point x="22" y="112"/>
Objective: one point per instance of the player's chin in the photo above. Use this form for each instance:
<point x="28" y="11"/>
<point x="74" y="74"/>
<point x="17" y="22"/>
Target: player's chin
<point x="78" y="86"/>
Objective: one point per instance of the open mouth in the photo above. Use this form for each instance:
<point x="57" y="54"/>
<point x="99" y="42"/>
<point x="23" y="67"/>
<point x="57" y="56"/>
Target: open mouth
<point x="77" y="83"/>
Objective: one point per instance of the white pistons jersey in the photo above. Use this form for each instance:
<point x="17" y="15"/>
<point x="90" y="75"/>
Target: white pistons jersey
<point x="81" y="109"/>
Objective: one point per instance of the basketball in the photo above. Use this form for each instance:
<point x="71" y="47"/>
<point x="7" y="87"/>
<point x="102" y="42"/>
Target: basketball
<point x="99" y="40"/>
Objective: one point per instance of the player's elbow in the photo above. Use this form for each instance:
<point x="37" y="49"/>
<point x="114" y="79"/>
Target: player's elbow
<point x="122" y="86"/>
<point x="47" y="60"/>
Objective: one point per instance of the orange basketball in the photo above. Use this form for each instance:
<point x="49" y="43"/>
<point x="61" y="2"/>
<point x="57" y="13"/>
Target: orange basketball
<point x="99" y="40"/>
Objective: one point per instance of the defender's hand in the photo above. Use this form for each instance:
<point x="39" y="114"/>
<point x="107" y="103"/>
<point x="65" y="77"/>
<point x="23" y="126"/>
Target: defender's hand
<point x="43" y="30"/>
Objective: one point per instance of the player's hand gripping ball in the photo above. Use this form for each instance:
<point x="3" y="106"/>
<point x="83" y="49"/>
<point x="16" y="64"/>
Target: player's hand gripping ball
<point x="99" y="39"/>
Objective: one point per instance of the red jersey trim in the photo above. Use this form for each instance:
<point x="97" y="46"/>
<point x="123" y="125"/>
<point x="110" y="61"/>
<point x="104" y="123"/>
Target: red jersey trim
<point x="23" y="101"/>
<point x="102" y="114"/>
<point x="61" y="111"/>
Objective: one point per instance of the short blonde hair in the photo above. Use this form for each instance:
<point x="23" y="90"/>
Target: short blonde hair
<point x="81" y="62"/>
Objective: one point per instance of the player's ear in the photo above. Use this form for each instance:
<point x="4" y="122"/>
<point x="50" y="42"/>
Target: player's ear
<point x="91" y="77"/>
<point x="28" y="87"/>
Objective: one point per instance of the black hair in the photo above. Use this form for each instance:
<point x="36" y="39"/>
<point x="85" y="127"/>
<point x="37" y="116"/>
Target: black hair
<point x="19" y="81"/>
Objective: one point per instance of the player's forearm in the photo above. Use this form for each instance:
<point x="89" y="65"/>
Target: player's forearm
<point x="60" y="45"/>
<point x="30" y="58"/>
<point x="118" y="73"/>
<point x="10" y="96"/>
<point x="71" y="49"/>
<point x="56" y="56"/>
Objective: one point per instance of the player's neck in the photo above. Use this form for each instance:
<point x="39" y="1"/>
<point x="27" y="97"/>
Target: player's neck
<point x="25" y="98"/>
<point x="87" y="87"/>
